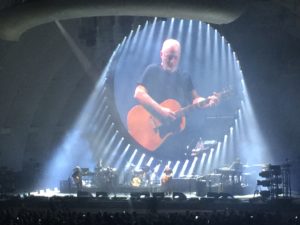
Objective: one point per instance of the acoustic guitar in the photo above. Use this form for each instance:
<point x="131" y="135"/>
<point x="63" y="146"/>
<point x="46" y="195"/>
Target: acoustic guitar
<point x="165" y="179"/>
<point x="166" y="176"/>
<point x="150" y="130"/>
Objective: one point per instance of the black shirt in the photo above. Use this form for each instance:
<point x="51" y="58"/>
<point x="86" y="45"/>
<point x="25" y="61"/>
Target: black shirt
<point x="162" y="85"/>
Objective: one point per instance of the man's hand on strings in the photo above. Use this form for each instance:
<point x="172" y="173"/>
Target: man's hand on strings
<point x="208" y="102"/>
<point x="167" y="113"/>
<point x="213" y="100"/>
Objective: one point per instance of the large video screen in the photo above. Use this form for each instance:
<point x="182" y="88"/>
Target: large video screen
<point x="177" y="87"/>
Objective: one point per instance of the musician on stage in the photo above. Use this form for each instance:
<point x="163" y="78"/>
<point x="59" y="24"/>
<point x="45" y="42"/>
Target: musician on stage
<point x="164" y="81"/>
<point x="77" y="177"/>
<point x="167" y="81"/>
<point x="237" y="168"/>
<point x="99" y="166"/>
<point x="147" y="175"/>
<point x="166" y="180"/>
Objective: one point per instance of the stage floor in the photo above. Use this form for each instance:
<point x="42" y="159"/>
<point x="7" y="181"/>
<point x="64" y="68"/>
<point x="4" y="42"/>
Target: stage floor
<point x="189" y="195"/>
<point x="145" y="202"/>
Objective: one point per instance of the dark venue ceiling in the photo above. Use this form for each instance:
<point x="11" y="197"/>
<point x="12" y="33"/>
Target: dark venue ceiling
<point x="43" y="85"/>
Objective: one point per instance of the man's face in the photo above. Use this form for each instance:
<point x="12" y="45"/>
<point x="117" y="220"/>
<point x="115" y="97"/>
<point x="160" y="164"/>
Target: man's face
<point x="170" y="58"/>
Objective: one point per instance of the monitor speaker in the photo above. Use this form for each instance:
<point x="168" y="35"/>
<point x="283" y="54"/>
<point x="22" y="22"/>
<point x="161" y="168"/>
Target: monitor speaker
<point x="84" y="194"/>
<point x="101" y="194"/>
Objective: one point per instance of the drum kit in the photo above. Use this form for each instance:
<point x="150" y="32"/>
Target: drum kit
<point x="138" y="178"/>
<point x="141" y="177"/>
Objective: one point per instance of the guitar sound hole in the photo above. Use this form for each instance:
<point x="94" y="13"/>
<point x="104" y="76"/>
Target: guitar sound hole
<point x="169" y="127"/>
<point x="154" y="124"/>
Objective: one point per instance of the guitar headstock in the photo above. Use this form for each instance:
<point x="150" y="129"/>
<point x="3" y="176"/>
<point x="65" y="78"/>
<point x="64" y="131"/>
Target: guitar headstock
<point x="225" y="93"/>
<point x="215" y="98"/>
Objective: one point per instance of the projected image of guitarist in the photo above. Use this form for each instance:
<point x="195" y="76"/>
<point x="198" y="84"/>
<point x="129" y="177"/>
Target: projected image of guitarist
<point x="164" y="95"/>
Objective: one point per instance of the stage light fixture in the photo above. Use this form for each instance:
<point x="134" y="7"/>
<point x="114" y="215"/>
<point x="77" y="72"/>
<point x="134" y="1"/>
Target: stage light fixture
<point x="139" y="195"/>
<point x="264" y="183"/>
<point x="265" y="194"/>
<point x="158" y="195"/>
<point x="179" y="196"/>
<point x="102" y="195"/>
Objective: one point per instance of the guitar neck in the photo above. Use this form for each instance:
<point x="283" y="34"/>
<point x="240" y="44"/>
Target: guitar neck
<point x="187" y="108"/>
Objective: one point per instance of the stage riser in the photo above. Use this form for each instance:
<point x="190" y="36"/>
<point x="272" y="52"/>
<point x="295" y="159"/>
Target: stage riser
<point x="177" y="185"/>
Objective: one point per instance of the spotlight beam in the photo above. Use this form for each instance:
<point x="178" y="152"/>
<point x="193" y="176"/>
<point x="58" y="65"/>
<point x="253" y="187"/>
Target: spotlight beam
<point x="121" y="158"/>
<point x="88" y="67"/>
<point x="115" y="151"/>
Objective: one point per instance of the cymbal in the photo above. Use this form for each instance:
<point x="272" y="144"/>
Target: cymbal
<point x="224" y="168"/>
<point x="139" y="171"/>
<point x="254" y="165"/>
<point x="246" y="174"/>
<point x="246" y="166"/>
<point x="260" y="165"/>
<point x="214" y="174"/>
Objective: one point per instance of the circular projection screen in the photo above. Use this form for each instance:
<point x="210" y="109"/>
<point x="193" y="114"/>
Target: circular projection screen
<point x="207" y="62"/>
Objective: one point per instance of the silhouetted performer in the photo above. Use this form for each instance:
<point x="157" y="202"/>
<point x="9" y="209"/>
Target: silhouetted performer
<point x="77" y="177"/>
<point x="166" y="180"/>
